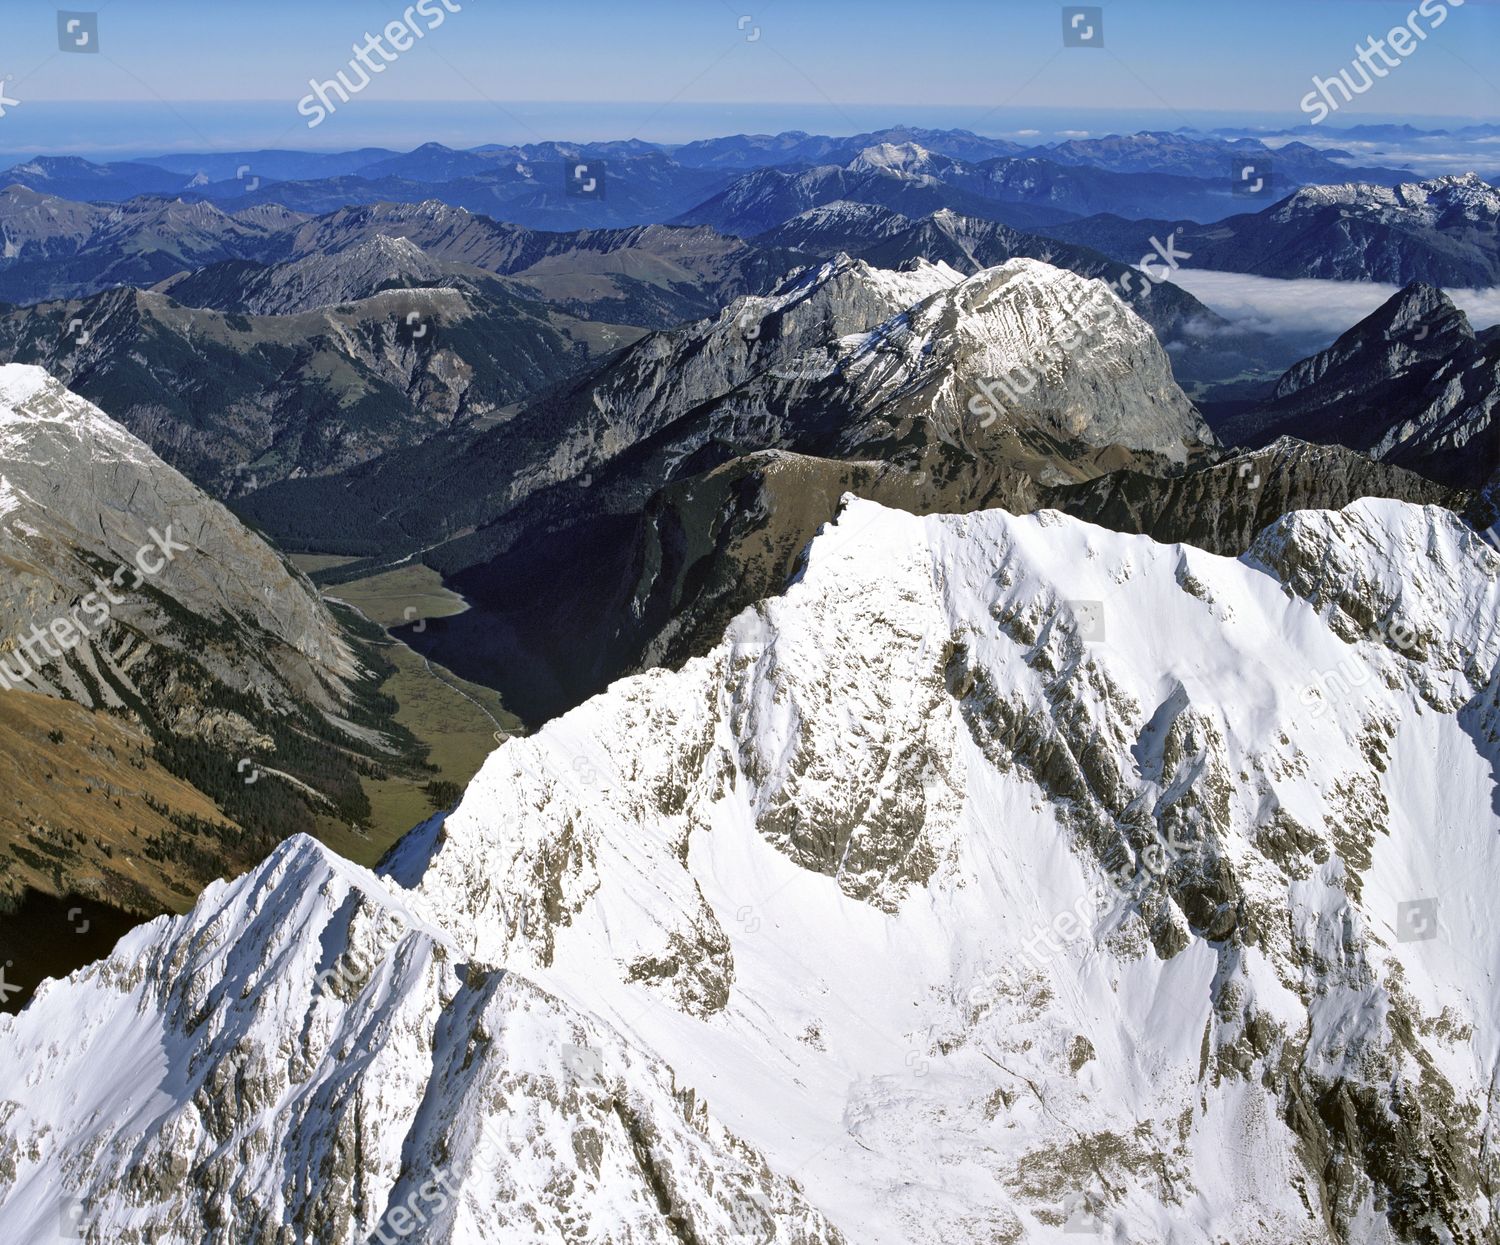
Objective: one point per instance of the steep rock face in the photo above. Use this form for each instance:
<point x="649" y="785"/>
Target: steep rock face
<point x="315" y="281"/>
<point x="839" y="358"/>
<point x="1067" y="356"/>
<point x="81" y="496"/>
<point x="1410" y="384"/>
<point x="848" y="878"/>
<point x="133" y="595"/>
<point x="779" y="338"/>
<point x="671" y="373"/>
<point x="1418" y="325"/>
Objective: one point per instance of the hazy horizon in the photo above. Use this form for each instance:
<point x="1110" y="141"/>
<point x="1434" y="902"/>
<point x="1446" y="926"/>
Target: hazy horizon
<point x="133" y="129"/>
<point x="181" y="77"/>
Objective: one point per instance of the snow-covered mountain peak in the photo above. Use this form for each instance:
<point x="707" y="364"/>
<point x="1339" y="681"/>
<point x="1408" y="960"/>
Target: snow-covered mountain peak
<point x="838" y="275"/>
<point x="1411" y="579"/>
<point x="1427" y="203"/>
<point x="1052" y="348"/>
<point x="1006" y="875"/>
<point x="35" y="410"/>
<point x="314" y="1008"/>
<point x="901" y="158"/>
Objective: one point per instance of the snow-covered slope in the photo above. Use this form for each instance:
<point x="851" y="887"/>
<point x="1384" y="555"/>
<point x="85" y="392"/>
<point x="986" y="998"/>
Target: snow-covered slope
<point x="832" y="904"/>
<point x="1440" y="203"/>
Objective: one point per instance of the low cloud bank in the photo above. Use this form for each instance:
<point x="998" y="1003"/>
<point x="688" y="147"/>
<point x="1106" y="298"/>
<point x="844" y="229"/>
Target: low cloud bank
<point x="1309" y="307"/>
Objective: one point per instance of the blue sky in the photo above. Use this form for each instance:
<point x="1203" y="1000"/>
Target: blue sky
<point x="208" y="72"/>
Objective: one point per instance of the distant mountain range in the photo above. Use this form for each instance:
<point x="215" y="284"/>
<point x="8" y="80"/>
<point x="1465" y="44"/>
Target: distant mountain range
<point x="642" y="183"/>
<point x="1444" y="231"/>
<point x="268" y="343"/>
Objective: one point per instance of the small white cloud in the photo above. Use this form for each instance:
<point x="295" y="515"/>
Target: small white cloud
<point x="1073" y="133"/>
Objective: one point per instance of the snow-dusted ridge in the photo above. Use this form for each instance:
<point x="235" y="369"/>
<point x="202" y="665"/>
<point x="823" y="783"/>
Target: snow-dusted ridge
<point x="781" y="901"/>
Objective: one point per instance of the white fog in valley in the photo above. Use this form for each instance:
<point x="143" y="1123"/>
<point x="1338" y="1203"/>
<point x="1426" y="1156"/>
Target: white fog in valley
<point x="1311" y="306"/>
